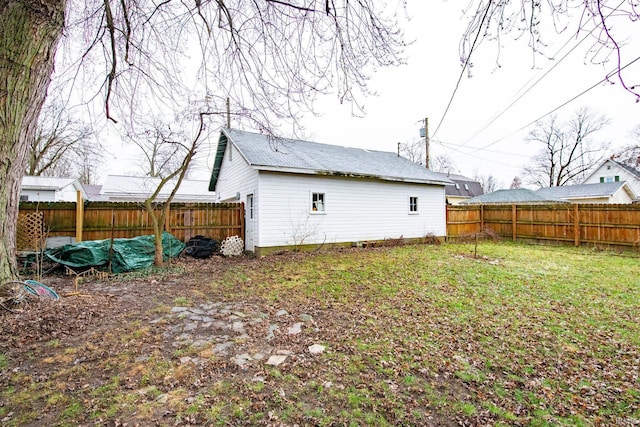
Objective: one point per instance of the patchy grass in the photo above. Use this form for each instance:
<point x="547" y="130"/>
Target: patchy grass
<point x="415" y="335"/>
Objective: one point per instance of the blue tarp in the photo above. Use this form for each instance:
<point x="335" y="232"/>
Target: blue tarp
<point x="128" y="254"/>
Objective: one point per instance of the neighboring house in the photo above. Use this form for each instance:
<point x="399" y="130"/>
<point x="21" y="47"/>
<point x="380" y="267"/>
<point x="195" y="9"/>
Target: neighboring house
<point x="613" y="171"/>
<point x="463" y="189"/>
<point x="49" y="189"/>
<point x="511" y="196"/>
<point x="300" y="192"/>
<point x="608" y="192"/>
<point x="94" y="193"/>
<point x="118" y="188"/>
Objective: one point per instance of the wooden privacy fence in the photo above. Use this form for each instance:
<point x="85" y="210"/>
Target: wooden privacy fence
<point x="106" y="220"/>
<point x="617" y="225"/>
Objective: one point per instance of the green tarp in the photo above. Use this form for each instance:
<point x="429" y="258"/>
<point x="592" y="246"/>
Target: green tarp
<point x="128" y="254"/>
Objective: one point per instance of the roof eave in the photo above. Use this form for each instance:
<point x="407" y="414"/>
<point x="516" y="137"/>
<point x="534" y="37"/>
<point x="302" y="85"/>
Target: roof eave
<point x="300" y="171"/>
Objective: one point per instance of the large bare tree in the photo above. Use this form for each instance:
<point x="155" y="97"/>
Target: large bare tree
<point x="270" y="57"/>
<point x="569" y="150"/>
<point x="63" y="146"/>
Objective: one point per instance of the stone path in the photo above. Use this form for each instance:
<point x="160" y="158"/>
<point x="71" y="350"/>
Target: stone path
<point x="245" y="338"/>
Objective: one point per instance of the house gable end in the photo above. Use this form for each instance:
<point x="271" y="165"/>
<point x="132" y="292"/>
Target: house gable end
<point x="215" y="172"/>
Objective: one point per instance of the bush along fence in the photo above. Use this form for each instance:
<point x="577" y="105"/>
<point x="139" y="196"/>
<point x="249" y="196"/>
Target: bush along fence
<point x="577" y="224"/>
<point x="55" y="223"/>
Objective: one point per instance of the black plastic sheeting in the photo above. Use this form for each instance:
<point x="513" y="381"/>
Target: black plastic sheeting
<point x="128" y="254"/>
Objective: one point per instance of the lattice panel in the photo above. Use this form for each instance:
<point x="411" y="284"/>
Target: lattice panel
<point x="31" y="236"/>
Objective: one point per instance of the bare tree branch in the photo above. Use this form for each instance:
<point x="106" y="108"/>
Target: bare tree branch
<point x="568" y="153"/>
<point x="532" y="18"/>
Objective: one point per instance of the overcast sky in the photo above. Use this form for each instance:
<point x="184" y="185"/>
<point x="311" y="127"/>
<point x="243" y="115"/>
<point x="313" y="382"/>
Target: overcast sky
<point x="484" y="130"/>
<point x="424" y="87"/>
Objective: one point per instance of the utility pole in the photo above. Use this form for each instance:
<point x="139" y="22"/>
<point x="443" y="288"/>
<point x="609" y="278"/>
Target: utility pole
<point x="426" y="140"/>
<point x="228" y="114"/>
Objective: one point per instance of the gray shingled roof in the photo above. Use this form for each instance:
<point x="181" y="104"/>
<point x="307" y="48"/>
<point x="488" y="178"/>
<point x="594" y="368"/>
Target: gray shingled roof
<point x="517" y="195"/>
<point x="604" y="189"/>
<point x="263" y="152"/>
<point x="635" y="172"/>
<point x="474" y="187"/>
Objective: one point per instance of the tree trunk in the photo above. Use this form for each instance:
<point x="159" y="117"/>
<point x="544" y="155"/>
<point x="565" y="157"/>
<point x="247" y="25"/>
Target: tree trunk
<point x="158" y="228"/>
<point x="29" y="34"/>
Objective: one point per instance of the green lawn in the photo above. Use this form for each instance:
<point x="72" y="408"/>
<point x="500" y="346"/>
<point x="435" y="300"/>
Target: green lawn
<point x="415" y="335"/>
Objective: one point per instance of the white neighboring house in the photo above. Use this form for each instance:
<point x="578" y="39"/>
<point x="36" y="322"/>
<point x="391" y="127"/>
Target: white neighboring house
<point x="119" y="188"/>
<point x="606" y="192"/>
<point x="300" y="192"/>
<point x="50" y="189"/>
<point x="613" y="171"/>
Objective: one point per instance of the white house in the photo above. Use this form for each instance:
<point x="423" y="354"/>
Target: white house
<point x="50" y="189"/>
<point x="613" y="171"/>
<point x="605" y="192"/>
<point x="119" y="188"/>
<point x="300" y="192"/>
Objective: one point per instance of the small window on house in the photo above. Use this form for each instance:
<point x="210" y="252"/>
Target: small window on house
<point x="608" y="179"/>
<point x="466" y="187"/>
<point x="457" y="186"/>
<point x="317" y="202"/>
<point x="24" y="198"/>
<point x="413" y="204"/>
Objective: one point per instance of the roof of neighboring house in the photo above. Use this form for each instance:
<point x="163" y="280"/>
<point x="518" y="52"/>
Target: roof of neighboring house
<point x="587" y="191"/>
<point x="136" y="188"/>
<point x="93" y="192"/>
<point x="516" y="195"/>
<point x="48" y="183"/>
<point x="465" y="187"/>
<point x="269" y="153"/>
<point x="635" y="172"/>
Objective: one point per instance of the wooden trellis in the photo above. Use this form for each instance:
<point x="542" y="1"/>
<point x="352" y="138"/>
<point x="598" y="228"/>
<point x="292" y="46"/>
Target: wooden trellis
<point x="30" y="234"/>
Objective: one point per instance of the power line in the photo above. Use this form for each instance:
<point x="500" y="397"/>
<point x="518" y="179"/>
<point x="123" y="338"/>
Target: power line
<point x="466" y="63"/>
<point x="606" y="78"/>
<point x="458" y="147"/>
<point x="520" y="94"/>
<point x="511" y="165"/>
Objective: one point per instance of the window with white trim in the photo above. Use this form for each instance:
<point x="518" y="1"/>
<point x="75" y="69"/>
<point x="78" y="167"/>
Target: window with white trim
<point x="317" y="203"/>
<point x="413" y="205"/>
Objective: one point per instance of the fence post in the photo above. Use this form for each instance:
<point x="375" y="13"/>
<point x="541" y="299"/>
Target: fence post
<point x="514" y="223"/>
<point x="481" y="218"/>
<point x="79" y="216"/>
<point x="576" y="225"/>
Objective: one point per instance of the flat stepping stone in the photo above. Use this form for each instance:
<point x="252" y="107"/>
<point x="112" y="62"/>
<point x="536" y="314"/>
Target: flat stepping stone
<point x="238" y="327"/>
<point x="276" y="359"/>
<point x="270" y="332"/>
<point x="242" y="359"/>
<point x="316" y="349"/>
<point x="200" y="343"/>
<point x="295" y="329"/>
<point x="222" y="348"/>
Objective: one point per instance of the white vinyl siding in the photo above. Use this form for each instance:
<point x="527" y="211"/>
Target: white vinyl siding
<point x="602" y="173"/>
<point x="359" y="210"/>
<point x="236" y="176"/>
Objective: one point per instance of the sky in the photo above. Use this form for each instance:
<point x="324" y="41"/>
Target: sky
<point x="483" y="126"/>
